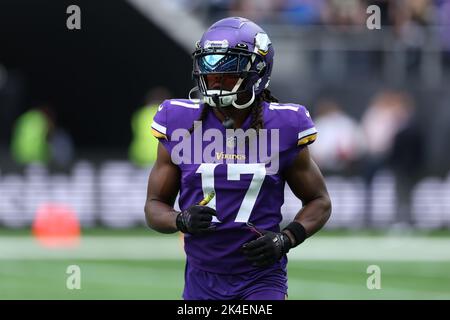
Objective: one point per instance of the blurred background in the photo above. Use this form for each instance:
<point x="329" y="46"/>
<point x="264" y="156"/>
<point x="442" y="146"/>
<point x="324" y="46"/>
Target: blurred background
<point x="76" y="150"/>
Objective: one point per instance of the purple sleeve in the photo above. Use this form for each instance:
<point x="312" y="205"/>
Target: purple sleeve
<point x="307" y="132"/>
<point x="160" y="126"/>
<point x="302" y="134"/>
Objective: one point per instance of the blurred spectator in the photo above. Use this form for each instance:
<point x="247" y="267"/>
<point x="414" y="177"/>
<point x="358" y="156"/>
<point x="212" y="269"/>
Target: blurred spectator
<point x="302" y="12"/>
<point x="386" y="114"/>
<point x="60" y="141"/>
<point x="386" y="8"/>
<point x="344" y="13"/>
<point x="214" y="10"/>
<point x="393" y="139"/>
<point x="258" y="11"/>
<point x="143" y="148"/>
<point x="443" y="23"/>
<point x="438" y="162"/>
<point x="410" y="19"/>
<point x="341" y="139"/>
<point x="37" y="138"/>
<point x="407" y="159"/>
<point x="29" y="138"/>
<point x="11" y="93"/>
<point x="61" y="147"/>
<point x="403" y="15"/>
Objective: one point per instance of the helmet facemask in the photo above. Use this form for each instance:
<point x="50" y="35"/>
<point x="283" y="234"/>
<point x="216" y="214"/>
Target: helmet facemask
<point x="223" y="73"/>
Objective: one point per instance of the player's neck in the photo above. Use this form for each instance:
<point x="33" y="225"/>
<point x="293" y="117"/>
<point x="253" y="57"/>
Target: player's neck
<point x="238" y="115"/>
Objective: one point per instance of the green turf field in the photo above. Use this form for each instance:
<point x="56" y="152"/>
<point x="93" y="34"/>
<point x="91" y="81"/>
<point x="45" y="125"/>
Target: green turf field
<point x="163" y="279"/>
<point x="116" y="266"/>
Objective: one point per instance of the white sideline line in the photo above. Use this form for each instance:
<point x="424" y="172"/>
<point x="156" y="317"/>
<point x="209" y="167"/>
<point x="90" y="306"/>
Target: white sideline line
<point x="170" y="248"/>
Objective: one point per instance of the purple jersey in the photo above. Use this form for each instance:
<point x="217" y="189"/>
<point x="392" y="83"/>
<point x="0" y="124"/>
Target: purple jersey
<point x="245" y="176"/>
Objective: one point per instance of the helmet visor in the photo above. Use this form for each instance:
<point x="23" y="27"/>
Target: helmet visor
<point x="222" y="63"/>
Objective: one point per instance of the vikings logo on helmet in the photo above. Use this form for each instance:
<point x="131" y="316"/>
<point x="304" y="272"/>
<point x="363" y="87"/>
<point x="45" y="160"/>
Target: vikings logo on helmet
<point x="237" y="48"/>
<point x="262" y="43"/>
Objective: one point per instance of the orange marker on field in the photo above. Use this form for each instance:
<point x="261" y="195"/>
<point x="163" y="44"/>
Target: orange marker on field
<point x="56" y="225"/>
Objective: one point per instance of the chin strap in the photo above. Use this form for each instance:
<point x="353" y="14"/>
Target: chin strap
<point x="193" y="100"/>
<point x="247" y="104"/>
<point x="215" y="100"/>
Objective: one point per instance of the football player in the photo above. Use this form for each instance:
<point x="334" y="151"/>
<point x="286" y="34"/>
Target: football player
<point x="230" y="206"/>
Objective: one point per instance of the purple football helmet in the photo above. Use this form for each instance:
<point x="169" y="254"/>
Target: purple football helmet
<point x="235" y="48"/>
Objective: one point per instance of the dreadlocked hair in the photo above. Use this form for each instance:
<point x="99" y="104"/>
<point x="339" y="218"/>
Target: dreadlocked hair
<point x="257" y="117"/>
<point x="256" y="112"/>
<point x="202" y="116"/>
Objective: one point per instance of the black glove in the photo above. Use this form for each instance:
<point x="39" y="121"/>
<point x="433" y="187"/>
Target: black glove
<point x="267" y="249"/>
<point x="196" y="220"/>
